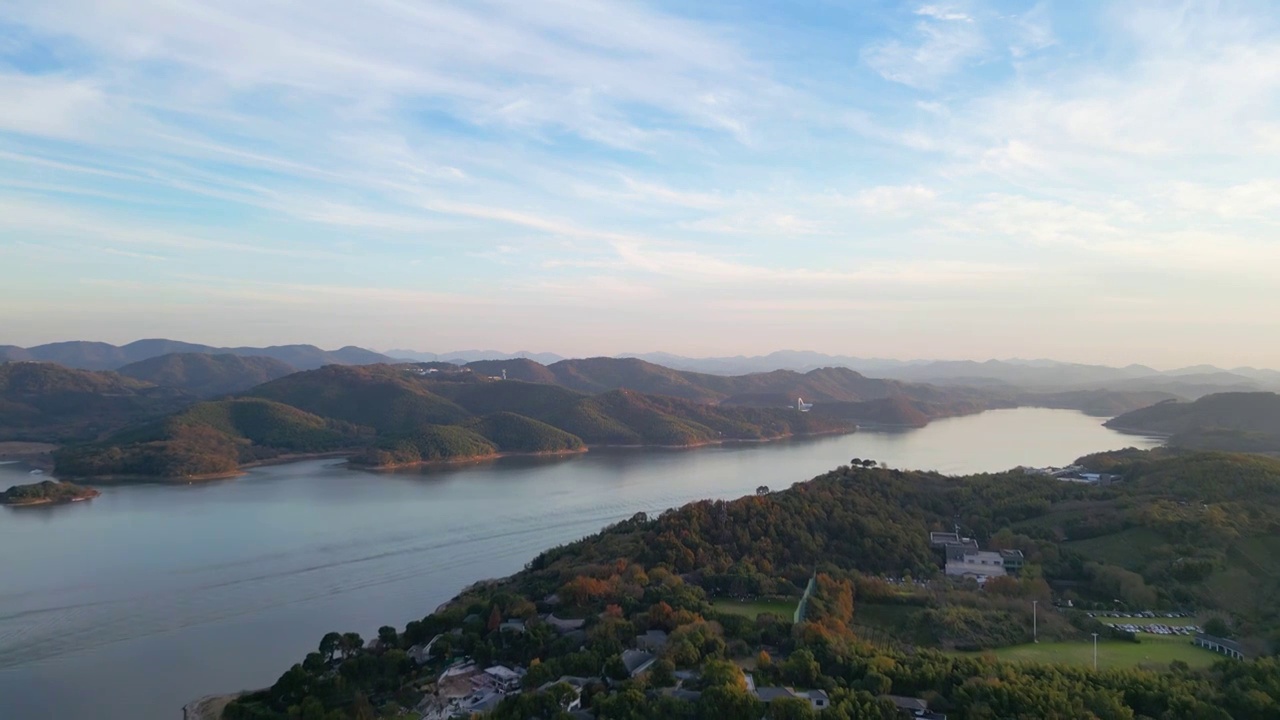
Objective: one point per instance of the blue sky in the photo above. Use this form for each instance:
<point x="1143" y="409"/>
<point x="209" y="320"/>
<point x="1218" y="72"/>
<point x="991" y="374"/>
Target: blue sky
<point x="1081" y="180"/>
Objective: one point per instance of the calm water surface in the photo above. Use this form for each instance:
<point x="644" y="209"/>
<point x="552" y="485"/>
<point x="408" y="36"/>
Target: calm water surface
<point x="134" y="603"/>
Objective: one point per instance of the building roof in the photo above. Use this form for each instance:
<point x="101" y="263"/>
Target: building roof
<point x="571" y="680"/>
<point x="1012" y="554"/>
<point x="769" y="694"/>
<point x="636" y="661"/>
<point x="941" y="539"/>
<point x="652" y="640"/>
<point x="502" y="673"/>
<point x="485" y="702"/>
<point x="907" y="703"/>
<point x="563" y="625"/>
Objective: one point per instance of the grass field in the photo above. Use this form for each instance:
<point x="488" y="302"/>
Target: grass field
<point x="1131" y="548"/>
<point x="785" y="607"/>
<point x="1154" y="650"/>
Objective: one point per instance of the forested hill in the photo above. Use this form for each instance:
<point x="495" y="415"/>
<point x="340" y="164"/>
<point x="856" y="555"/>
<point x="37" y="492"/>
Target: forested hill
<point x="207" y="375"/>
<point x="778" y="388"/>
<point x="85" y="355"/>
<point x="45" y="402"/>
<point x="400" y="415"/>
<point x="1243" y="422"/>
<point x="668" y="589"/>
<point x="835" y="391"/>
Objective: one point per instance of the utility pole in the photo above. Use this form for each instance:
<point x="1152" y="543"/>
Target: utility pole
<point x="1035" y="621"/>
<point x="1095" y="652"/>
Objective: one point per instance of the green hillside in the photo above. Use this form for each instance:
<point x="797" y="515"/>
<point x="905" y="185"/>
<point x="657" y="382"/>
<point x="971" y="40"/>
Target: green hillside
<point x="715" y="579"/>
<point x="208" y="439"/>
<point x="427" y="443"/>
<point x="1238" y="421"/>
<point x="535" y="400"/>
<point x="44" y="402"/>
<point x="516" y="369"/>
<point x="778" y="388"/>
<point x="398" y="415"/>
<point x="516" y="433"/>
<point x="897" y="411"/>
<point x="207" y="375"/>
<point x="382" y="397"/>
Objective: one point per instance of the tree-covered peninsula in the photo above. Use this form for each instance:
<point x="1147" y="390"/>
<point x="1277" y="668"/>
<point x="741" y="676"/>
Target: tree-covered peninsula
<point x="828" y="600"/>
<point x="388" y="416"/>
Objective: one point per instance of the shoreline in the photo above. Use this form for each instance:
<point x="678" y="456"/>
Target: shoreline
<point x="303" y="457"/>
<point x="37" y="502"/>
<point x="465" y="460"/>
<point x="1137" y="431"/>
<point x="209" y="707"/>
<point x="731" y="441"/>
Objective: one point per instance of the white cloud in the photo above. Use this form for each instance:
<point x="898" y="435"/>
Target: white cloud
<point x="1032" y="31"/>
<point x="51" y="106"/>
<point x="944" y="41"/>
<point x="1259" y="199"/>
<point x="940" y="12"/>
<point x="893" y="198"/>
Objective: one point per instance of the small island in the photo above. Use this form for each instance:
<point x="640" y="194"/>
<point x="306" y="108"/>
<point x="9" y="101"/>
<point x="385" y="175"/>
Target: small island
<point x="45" y="493"/>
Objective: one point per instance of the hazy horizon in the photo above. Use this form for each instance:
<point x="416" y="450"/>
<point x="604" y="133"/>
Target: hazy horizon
<point x="486" y="349"/>
<point x="1089" y="182"/>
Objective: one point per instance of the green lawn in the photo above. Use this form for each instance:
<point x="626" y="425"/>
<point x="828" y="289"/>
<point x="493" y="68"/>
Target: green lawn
<point x="785" y="607"/>
<point x="1154" y="650"/>
<point x="1130" y="548"/>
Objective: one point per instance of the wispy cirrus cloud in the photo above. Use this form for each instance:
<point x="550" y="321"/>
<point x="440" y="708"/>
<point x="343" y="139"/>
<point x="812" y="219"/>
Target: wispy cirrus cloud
<point x="626" y="161"/>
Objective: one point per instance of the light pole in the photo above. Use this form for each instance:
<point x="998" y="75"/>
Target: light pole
<point x="1035" y="621"/>
<point x="1095" y="652"/>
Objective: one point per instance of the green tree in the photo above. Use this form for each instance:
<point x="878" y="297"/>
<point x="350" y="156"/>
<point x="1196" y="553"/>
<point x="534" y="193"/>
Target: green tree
<point x="662" y="674"/>
<point x="1217" y="626"/>
<point x="388" y="637"/>
<point x="723" y="673"/>
<point x="876" y="683"/>
<point x="615" y="669"/>
<point x="720" y="702"/>
<point x="791" y="709"/>
<point x="351" y="644"/>
<point x="801" y="669"/>
<point x="329" y="645"/>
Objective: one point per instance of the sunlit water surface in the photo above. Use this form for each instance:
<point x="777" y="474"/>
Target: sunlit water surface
<point x="136" y="602"/>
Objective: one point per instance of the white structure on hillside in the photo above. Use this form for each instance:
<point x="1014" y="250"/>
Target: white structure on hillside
<point x="803" y="406"/>
<point x="980" y="564"/>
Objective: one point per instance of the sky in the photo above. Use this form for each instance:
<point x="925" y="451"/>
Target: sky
<point x="1086" y="181"/>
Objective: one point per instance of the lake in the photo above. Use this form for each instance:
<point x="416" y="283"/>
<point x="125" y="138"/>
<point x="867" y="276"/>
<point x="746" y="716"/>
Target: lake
<point x="149" y="596"/>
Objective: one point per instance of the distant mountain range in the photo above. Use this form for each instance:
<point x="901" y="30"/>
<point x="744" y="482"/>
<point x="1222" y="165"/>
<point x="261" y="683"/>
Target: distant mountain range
<point x="85" y="355"/>
<point x="1038" y="375"/>
<point x="462" y="357"/>
<point x="1041" y="375"/>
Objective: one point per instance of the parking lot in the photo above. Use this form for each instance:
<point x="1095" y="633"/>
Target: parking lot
<point x="1155" y="623"/>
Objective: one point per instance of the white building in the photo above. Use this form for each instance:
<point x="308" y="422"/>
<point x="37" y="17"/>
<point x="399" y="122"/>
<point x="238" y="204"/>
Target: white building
<point x="979" y="563"/>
